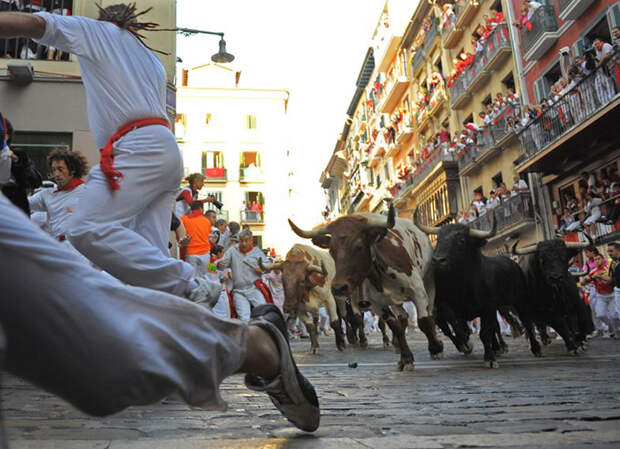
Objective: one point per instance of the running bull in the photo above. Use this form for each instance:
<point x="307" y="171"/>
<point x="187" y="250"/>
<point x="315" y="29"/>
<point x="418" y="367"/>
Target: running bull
<point x="552" y="291"/>
<point x="473" y="285"/>
<point x="394" y="256"/>
<point x="307" y="275"/>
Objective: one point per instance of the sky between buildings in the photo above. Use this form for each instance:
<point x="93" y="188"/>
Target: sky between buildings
<point x="313" y="49"/>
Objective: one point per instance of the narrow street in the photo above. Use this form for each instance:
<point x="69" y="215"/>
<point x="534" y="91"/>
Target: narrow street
<point x="557" y="401"/>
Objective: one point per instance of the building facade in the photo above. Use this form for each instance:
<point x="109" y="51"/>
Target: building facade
<point x="441" y="118"/>
<point x="237" y="138"/>
<point x="41" y="91"/>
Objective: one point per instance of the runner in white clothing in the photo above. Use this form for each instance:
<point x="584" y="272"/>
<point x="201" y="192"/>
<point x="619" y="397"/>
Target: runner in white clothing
<point x="67" y="167"/>
<point x="123" y="219"/>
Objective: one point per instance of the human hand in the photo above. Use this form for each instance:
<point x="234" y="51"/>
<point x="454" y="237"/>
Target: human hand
<point x="185" y="241"/>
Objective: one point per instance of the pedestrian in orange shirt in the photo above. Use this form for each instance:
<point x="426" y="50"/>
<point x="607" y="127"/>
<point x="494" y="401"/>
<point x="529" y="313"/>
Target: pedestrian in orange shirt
<point x="198" y="226"/>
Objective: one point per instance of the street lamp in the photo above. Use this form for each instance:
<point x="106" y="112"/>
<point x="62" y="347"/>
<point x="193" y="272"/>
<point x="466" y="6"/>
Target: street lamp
<point x="221" y="57"/>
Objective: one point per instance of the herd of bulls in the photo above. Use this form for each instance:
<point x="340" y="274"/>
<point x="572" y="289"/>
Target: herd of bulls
<point x="377" y="263"/>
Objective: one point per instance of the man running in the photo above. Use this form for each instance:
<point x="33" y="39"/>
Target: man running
<point x="103" y="346"/>
<point x="122" y="221"/>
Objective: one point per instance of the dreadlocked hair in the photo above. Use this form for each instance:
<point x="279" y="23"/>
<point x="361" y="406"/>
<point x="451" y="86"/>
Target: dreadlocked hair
<point x="76" y="161"/>
<point x="125" y="16"/>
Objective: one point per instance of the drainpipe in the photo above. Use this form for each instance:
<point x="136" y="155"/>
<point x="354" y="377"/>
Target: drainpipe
<point x="516" y="51"/>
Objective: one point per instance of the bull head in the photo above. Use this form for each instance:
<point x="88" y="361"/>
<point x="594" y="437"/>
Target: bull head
<point x="434" y="230"/>
<point x="350" y="241"/>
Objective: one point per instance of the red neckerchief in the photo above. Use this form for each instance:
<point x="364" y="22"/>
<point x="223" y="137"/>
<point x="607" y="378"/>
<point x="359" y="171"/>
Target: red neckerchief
<point x="248" y="250"/>
<point x="195" y="213"/>
<point x="75" y="182"/>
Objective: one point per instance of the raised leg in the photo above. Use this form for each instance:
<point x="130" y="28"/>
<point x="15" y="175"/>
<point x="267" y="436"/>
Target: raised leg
<point x="357" y="317"/>
<point x="435" y="345"/>
<point x="488" y="326"/>
<point x="386" y="338"/>
<point x="528" y="324"/>
<point x="312" y="328"/>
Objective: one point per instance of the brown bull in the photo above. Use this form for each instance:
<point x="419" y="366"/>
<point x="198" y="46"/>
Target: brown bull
<point x="394" y="257"/>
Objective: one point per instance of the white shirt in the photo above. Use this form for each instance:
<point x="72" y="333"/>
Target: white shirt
<point x="480" y="207"/>
<point x="243" y="275"/>
<point x="607" y="49"/>
<point x="59" y="205"/>
<point x="181" y="208"/>
<point x="521" y="185"/>
<point x="493" y="202"/>
<point x="124" y="80"/>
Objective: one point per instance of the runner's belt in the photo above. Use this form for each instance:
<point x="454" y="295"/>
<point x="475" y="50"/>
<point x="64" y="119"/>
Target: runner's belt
<point x="107" y="157"/>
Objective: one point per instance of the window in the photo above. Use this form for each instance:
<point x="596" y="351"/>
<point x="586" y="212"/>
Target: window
<point x="250" y="121"/>
<point x="250" y="159"/>
<point x="497" y="179"/>
<point x="487" y="101"/>
<point x="217" y="195"/>
<point x="542" y="86"/>
<point x="212" y="159"/>
<point x="468" y="119"/>
<point x="509" y="82"/>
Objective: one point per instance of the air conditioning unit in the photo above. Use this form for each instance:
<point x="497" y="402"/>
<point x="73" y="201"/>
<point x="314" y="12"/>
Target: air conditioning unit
<point x="21" y="71"/>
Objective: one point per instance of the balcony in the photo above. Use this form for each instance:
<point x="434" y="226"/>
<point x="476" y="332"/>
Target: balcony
<point x="418" y="60"/>
<point x="394" y="88"/>
<point x="433" y="160"/>
<point x="252" y="216"/>
<point x="215" y="175"/>
<point x="573" y="9"/>
<point x="438" y="97"/>
<point x="512" y="215"/>
<point x="543" y="33"/>
<point x="386" y="57"/>
<point x="466" y="13"/>
<point x="404" y="133"/>
<point x="459" y="96"/>
<point x="603" y="230"/>
<point x="251" y="174"/>
<point x="592" y="99"/>
<point x="422" y="117"/>
<point x="451" y="34"/>
<point x="489" y="140"/>
<point x="429" y="38"/>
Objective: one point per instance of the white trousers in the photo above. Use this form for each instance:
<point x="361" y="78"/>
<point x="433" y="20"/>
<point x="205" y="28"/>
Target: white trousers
<point x="97" y="343"/>
<point x="605" y="310"/>
<point x="200" y="263"/>
<point x="598" y="324"/>
<point x="245" y="299"/>
<point x="126" y="232"/>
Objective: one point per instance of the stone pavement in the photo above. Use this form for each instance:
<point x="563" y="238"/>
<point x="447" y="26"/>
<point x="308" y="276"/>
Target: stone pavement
<point x="554" y="402"/>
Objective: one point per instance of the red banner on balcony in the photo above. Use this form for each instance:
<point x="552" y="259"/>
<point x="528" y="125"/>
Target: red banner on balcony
<point x="215" y="172"/>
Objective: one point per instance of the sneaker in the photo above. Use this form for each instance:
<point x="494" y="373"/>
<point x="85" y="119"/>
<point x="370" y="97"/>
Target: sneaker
<point x="207" y="293"/>
<point x="290" y="391"/>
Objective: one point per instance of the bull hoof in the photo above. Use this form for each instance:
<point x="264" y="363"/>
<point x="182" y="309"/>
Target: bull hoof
<point x="314" y="351"/>
<point x="545" y="341"/>
<point x="405" y="366"/>
<point x="386" y="345"/>
<point x="493" y="364"/>
<point x="502" y="350"/>
<point x="583" y="347"/>
<point x="364" y="344"/>
<point x="341" y="347"/>
<point x="438" y="356"/>
<point x="573" y="352"/>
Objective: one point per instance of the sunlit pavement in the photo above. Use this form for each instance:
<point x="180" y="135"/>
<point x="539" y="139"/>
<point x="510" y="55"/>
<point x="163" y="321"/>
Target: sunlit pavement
<point x="555" y="402"/>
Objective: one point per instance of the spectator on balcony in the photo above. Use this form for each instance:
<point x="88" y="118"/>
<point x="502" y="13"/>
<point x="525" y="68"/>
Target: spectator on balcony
<point x="480" y="203"/>
<point x="503" y="192"/>
<point x="593" y="209"/>
<point x="615" y="210"/>
<point x="603" y="83"/>
<point x="615" y="37"/>
<point x="518" y="186"/>
<point x="497" y="16"/>
<point x="494" y="200"/>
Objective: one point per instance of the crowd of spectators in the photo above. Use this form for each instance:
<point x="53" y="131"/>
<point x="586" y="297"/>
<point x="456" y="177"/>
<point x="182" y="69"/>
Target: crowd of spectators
<point x="596" y="203"/>
<point x="481" y="205"/>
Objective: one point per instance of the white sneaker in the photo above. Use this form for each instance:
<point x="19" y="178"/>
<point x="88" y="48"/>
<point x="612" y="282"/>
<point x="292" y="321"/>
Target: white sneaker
<point x="207" y="293"/>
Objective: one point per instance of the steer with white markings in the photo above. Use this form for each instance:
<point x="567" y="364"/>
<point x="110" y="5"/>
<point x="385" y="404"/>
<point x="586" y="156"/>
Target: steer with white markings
<point x="395" y="257"/>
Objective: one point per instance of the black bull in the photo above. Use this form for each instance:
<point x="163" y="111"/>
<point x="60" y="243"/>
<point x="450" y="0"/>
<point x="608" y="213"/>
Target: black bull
<point x="552" y="291"/>
<point x="473" y="285"/>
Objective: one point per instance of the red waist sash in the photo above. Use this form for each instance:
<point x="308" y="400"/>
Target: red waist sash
<point x="107" y="156"/>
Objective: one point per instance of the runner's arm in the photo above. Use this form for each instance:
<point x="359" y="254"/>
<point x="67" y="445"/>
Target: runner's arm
<point x="37" y="202"/>
<point x="19" y="24"/>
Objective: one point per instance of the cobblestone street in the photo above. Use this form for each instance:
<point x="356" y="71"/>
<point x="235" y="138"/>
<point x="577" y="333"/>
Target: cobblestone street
<point x="557" y="401"/>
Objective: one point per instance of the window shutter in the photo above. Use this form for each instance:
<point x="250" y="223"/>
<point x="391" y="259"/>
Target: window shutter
<point x="578" y="47"/>
<point x="539" y="89"/>
<point x="613" y="16"/>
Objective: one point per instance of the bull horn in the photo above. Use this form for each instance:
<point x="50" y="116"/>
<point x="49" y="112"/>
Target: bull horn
<point x="578" y="274"/>
<point x="531" y="249"/>
<point x="424" y="228"/>
<point x="581" y="245"/>
<point x="381" y="222"/>
<point x="273" y="266"/>
<point x="485" y="234"/>
<point x="307" y="234"/>
<point x="321" y="270"/>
